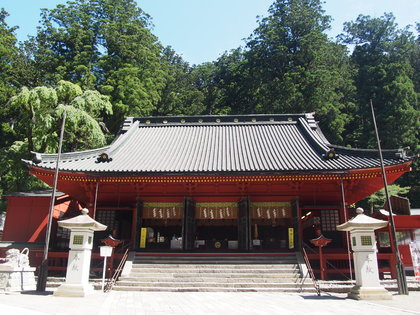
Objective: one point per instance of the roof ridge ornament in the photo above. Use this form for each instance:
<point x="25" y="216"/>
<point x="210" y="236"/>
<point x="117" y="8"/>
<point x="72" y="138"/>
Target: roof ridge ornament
<point x="36" y="157"/>
<point x="127" y="124"/>
<point x="310" y="118"/>
<point x="103" y="157"/>
<point x="216" y="119"/>
<point x="330" y="155"/>
<point x="402" y="153"/>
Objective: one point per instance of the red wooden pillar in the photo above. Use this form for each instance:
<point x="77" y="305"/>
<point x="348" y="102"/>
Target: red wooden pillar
<point x="110" y="264"/>
<point x="134" y="227"/>
<point x="321" y="263"/>
<point x="299" y="222"/>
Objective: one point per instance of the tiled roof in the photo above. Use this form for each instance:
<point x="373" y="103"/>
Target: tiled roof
<point x="219" y="145"/>
<point x="34" y="193"/>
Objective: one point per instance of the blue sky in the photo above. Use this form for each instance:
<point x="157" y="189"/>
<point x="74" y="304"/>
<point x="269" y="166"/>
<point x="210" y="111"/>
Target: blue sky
<point x="201" y="30"/>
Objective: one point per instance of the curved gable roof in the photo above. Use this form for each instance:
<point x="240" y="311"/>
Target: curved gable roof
<point x="219" y="145"/>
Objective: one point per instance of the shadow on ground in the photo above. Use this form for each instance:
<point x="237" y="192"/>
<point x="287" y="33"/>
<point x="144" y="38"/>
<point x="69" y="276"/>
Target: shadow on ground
<point x="37" y="292"/>
<point x="324" y="296"/>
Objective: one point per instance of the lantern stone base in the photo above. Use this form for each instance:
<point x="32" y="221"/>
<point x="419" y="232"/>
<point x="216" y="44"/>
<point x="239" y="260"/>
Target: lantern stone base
<point x="15" y="279"/>
<point x="75" y="290"/>
<point x="369" y="293"/>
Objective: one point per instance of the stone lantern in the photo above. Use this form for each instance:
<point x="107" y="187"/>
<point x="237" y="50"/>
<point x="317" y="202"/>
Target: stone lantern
<point x="363" y="243"/>
<point x="78" y="265"/>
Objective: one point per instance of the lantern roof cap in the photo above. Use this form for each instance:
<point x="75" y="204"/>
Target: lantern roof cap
<point x="82" y="221"/>
<point x="321" y="241"/>
<point x="362" y="222"/>
<point x="111" y="241"/>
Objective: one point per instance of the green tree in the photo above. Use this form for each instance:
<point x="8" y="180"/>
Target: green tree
<point x="385" y="59"/>
<point x="41" y="109"/>
<point x="415" y="60"/>
<point x="289" y="65"/>
<point x="107" y="45"/>
<point x="40" y="114"/>
<point x="67" y="43"/>
<point x="384" y="75"/>
<point x="205" y="80"/>
<point x="8" y="53"/>
<point x="14" y="175"/>
<point x="132" y="72"/>
<point x="179" y="96"/>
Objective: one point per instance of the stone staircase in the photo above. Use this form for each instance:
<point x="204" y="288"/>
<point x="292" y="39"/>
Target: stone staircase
<point x="214" y="273"/>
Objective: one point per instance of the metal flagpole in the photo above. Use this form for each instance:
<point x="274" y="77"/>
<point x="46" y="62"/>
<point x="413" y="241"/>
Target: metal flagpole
<point x="43" y="270"/>
<point x="96" y="199"/>
<point x="401" y="279"/>
<point x="347" y="232"/>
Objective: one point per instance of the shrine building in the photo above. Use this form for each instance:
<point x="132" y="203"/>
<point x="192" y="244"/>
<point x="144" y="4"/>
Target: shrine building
<point x="248" y="183"/>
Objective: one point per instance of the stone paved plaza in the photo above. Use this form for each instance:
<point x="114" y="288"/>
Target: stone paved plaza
<point x="196" y="303"/>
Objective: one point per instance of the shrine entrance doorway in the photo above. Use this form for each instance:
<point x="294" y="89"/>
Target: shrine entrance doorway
<point x="235" y="226"/>
<point x="272" y="228"/>
<point x="216" y="226"/>
<point x="161" y="226"/>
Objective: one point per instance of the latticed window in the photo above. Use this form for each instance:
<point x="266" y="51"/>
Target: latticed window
<point x="329" y="220"/>
<point x="107" y="217"/>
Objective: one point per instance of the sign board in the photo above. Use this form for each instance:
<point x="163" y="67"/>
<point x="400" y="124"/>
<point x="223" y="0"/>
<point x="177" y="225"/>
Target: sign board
<point x="143" y="233"/>
<point x="291" y="238"/>
<point x="415" y="256"/>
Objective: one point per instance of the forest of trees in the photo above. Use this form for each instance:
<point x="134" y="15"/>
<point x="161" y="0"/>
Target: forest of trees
<point x="102" y="60"/>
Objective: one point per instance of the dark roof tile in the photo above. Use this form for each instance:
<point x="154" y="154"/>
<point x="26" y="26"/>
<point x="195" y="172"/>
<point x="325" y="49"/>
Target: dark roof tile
<point x="270" y="144"/>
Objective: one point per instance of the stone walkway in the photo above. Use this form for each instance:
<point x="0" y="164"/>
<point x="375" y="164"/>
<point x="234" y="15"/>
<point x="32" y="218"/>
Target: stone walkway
<point x="168" y="303"/>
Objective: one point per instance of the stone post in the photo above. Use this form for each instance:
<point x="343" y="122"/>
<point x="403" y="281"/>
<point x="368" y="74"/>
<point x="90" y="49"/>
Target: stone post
<point x="362" y="235"/>
<point x="78" y="265"/>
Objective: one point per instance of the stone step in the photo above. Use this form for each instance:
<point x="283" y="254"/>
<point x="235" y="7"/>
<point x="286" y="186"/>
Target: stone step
<point x="215" y="275"/>
<point x="209" y="255"/>
<point x="218" y="266"/>
<point x="212" y="289"/>
<point x="214" y="261"/>
<point x="211" y="284"/>
<point x="210" y="279"/>
<point x="210" y="271"/>
<point x="208" y="258"/>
